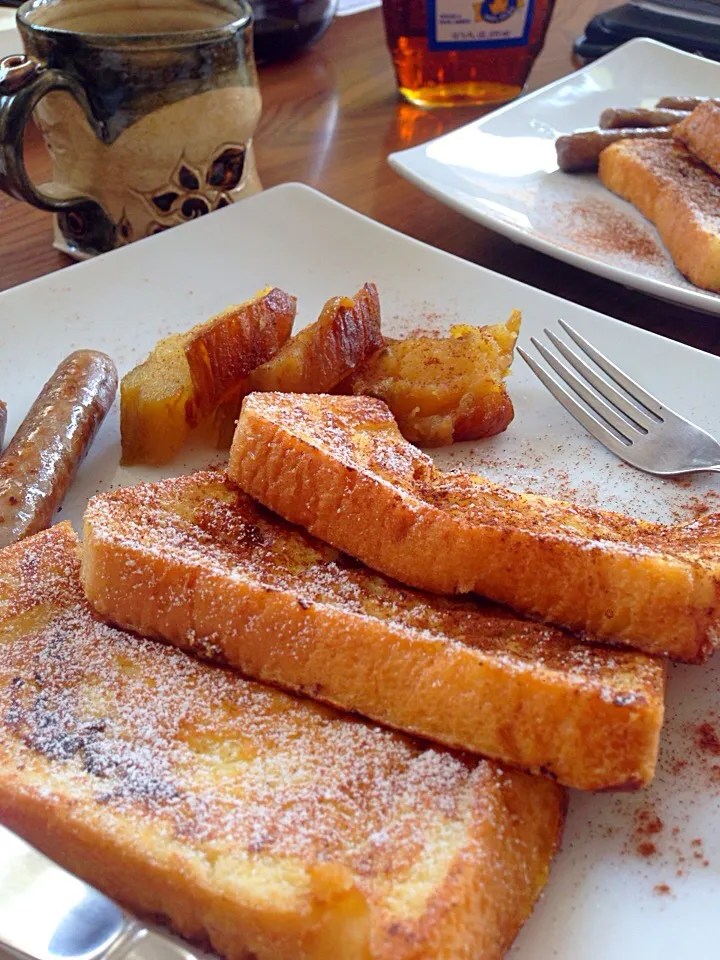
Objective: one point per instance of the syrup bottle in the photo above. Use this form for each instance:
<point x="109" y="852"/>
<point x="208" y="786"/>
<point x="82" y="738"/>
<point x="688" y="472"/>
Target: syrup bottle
<point x="461" y="52"/>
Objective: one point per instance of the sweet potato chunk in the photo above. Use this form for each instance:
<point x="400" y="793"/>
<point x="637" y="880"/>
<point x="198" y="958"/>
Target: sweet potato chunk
<point x="224" y="350"/>
<point x="346" y="333"/>
<point x="446" y="389"/>
<point x="157" y="405"/>
<point x="187" y="374"/>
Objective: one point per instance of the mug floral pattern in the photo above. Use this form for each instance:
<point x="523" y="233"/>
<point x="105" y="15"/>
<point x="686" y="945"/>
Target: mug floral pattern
<point x="191" y="192"/>
<point x="139" y="141"/>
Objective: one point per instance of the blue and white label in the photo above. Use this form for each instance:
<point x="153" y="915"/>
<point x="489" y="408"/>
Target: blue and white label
<point x="474" y="24"/>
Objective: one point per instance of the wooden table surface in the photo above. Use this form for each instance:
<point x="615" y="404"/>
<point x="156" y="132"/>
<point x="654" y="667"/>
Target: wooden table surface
<point x="330" y="118"/>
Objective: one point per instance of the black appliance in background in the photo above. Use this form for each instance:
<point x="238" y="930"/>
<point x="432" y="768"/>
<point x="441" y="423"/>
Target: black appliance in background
<point x="691" y="25"/>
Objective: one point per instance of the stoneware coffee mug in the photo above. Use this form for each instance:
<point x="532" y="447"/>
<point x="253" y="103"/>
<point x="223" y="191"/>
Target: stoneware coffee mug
<point x="148" y="109"/>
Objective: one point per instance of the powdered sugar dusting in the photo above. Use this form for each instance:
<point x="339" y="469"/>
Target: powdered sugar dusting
<point x="148" y="740"/>
<point x="219" y="758"/>
<point x="360" y="434"/>
<point x="205" y="523"/>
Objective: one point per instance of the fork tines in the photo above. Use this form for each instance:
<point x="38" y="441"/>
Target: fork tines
<point x="613" y="408"/>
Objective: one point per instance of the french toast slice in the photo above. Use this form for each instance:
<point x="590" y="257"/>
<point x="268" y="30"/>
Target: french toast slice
<point x="196" y="562"/>
<point x="700" y="132"/>
<point x="256" y="823"/>
<point x="447" y="388"/>
<point x="677" y="193"/>
<point x="339" y="467"/>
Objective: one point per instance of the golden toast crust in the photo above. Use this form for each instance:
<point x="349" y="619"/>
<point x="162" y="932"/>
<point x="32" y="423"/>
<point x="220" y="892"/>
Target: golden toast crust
<point x="197" y="563"/>
<point x="262" y="825"/>
<point x="678" y="194"/>
<point x="700" y="132"/>
<point x="339" y="467"/>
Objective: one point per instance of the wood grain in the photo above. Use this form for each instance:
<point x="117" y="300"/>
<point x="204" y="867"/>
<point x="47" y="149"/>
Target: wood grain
<point x="330" y="118"/>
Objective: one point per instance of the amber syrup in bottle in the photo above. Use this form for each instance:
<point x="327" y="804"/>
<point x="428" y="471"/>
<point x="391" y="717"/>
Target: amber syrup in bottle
<point x="462" y="52"/>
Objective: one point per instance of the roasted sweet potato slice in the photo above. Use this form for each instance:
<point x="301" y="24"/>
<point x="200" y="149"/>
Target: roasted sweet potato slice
<point x="224" y="350"/>
<point x="157" y="405"/>
<point x="345" y="334"/>
<point x="187" y="374"/>
<point x="443" y="389"/>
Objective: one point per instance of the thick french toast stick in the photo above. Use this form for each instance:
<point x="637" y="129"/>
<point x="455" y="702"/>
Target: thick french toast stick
<point x="677" y="193"/>
<point x="700" y="132"/>
<point x="339" y="467"/>
<point x="197" y="563"/>
<point x="260" y="824"/>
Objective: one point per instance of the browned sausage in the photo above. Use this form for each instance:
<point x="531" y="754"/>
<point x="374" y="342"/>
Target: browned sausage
<point x="42" y="458"/>
<point x="682" y="103"/>
<point x="3" y="423"/>
<point x="615" y="117"/>
<point x="581" y="150"/>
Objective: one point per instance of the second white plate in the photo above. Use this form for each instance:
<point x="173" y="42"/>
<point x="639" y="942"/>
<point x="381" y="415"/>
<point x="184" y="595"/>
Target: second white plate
<point x="501" y="170"/>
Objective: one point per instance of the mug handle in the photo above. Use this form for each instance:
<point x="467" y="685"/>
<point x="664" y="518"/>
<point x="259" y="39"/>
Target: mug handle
<point x="24" y="81"/>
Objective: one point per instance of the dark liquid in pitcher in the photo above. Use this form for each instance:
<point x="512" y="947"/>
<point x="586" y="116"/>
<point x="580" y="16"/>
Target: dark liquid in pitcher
<point x="283" y="27"/>
<point x="133" y="17"/>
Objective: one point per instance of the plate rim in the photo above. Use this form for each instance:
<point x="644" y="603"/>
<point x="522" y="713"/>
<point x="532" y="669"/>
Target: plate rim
<point x="304" y="189"/>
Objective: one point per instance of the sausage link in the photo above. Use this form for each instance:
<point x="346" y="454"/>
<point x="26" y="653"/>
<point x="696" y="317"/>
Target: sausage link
<point x="42" y="458"/>
<point x="682" y="103"/>
<point x="581" y="150"/>
<point x="618" y="117"/>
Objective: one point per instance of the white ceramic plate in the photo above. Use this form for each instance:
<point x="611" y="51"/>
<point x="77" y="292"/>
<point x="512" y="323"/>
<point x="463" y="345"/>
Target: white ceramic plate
<point x="501" y="170"/>
<point x="600" y="902"/>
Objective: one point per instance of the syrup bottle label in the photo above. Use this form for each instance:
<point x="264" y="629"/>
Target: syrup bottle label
<point x="478" y="24"/>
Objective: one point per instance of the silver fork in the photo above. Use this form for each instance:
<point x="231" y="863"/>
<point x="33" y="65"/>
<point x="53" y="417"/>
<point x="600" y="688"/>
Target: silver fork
<point x="619" y="413"/>
<point x="47" y="914"/>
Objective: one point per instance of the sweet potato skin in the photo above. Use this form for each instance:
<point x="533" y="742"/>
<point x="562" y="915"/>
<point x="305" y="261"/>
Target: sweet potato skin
<point x="187" y="375"/>
<point x="223" y="351"/>
<point x="345" y="334"/>
<point x="316" y="359"/>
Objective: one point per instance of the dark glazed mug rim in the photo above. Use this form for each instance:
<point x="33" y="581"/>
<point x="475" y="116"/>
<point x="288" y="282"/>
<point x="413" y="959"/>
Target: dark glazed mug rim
<point x="135" y="40"/>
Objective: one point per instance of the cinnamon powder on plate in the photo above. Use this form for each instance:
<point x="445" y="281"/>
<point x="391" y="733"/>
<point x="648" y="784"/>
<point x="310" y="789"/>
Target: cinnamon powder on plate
<point x="708" y="739"/>
<point x="594" y="225"/>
